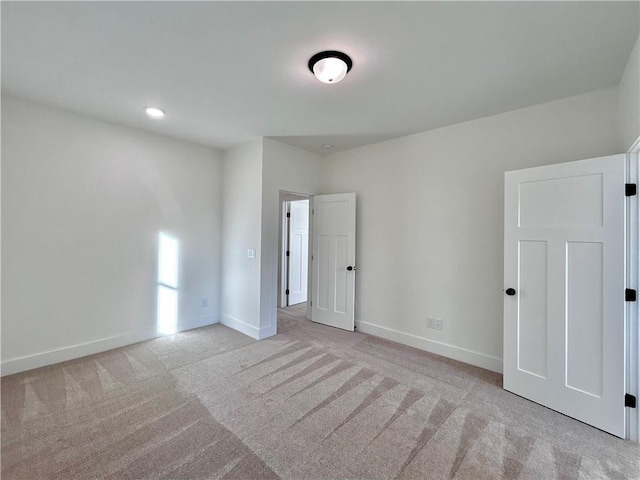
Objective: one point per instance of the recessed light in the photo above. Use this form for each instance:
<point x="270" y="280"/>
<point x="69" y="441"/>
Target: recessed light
<point x="327" y="146"/>
<point x="330" y="66"/>
<point x="154" y="112"/>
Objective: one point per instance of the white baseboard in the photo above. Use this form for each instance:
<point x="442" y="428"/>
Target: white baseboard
<point x="450" y="351"/>
<point x="240" y="326"/>
<point x="267" y="332"/>
<point x="21" y="364"/>
<point x="29" y="362"/>
<point x="198" y="322"/>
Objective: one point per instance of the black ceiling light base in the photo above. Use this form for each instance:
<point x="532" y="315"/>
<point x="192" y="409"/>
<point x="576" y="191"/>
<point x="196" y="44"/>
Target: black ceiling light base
<point x="330" y="54"/>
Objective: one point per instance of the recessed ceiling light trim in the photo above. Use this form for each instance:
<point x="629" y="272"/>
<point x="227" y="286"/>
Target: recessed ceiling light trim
<point x="154" y="112"/>
<point x="330" y="66"/>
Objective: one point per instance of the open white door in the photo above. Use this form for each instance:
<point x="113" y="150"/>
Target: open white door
<point x="564" y="308"/>
<point x="333" y="260"/>
<point x="298" y="251"/>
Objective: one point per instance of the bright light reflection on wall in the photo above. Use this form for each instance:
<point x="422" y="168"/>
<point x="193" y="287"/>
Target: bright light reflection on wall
<point x="168" y="261"/>
<point x="167" y="310"/>
<point x="167" y="315"/>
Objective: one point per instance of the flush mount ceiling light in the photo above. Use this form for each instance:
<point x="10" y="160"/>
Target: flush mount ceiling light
<point x="330" y="66"/>
<point x="154" y="112"/>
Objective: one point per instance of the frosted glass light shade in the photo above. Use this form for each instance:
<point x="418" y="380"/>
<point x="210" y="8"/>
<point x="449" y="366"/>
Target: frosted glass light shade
<point x="330" y="66"/>
<point x="330" y="70"/>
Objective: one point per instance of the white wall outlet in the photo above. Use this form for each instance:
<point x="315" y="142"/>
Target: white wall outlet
<point x="435" y="323"/>
<point x="251" y="253"/>
<point x="205" y="302"/>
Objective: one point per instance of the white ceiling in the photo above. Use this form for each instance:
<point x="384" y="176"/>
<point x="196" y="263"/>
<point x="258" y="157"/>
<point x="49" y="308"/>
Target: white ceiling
<point x="226" y="72"/>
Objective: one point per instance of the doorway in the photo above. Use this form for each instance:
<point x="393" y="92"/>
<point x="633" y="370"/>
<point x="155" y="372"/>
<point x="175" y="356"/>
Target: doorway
<point x="294" y="249"/>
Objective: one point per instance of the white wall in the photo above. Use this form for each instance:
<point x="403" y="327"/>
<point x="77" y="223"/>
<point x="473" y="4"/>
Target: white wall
<point x="285" y="168"/>
<point x="430" y="218"/>
<point x="83" y="202"/>
<point x="629" y="99"/>
<point x="241" y="227"/>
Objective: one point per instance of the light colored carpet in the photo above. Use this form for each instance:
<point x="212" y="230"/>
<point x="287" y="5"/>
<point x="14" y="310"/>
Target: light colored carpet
<point x="311" y="402"/>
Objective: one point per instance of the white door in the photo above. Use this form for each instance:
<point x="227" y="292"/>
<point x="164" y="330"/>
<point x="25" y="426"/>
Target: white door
<point x="298" y="251"/>
<point x="333" y="260"/>
<point x="564" y="308"/>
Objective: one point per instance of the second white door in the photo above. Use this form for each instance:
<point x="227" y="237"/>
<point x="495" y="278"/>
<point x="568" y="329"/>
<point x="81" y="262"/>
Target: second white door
<point x="298" y="251"/>
<point x="333" y="260"/>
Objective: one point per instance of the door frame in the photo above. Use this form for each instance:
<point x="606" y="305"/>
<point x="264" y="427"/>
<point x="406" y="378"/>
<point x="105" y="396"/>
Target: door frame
<point x="633" y="281"/>
<point x="285" y="196"/>
<point x="283" y="242"/>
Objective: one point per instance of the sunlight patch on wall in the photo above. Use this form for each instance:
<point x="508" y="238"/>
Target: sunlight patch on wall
<point x="167" y="313"/>
<point x="168" y="261"/>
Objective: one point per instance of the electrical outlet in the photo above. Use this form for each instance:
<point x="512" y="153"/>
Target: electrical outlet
<point x="434" y="323"/>
<point x="205" y="302"/>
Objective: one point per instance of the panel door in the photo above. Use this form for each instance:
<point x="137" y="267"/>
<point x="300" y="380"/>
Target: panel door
<point x="333" y="260"/>
<point x="298" y="251"/>
<point x="564" y="308"/>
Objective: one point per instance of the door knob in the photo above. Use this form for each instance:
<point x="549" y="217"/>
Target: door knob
<point x="351" y="268"/>
<point x="510" y="291"/>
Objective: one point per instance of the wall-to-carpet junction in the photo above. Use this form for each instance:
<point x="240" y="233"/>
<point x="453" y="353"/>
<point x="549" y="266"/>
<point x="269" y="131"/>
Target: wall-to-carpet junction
<point x="312" y="402"/>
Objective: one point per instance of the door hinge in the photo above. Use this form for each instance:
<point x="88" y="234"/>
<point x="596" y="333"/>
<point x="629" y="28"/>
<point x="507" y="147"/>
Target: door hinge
<point x="630" y="400"/>
<point x="630" y="189"/>
<point x="287" y="253"/>
<point x="288" y="214"/>
<point x="286" y="292"/>
<point x="313" y="211"/>
<point x="630" y="295"/>
<point x="311" y="303"/>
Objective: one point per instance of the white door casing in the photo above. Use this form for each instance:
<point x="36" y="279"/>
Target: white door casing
<point x="298" y="251"/>
<point x="333" y="260"/>
<point x="633" y="264"/>
<point x="564" y="328"/>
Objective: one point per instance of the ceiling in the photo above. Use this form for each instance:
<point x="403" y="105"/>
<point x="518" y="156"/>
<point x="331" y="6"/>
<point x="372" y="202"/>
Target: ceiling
<point x="227" y="72"/>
